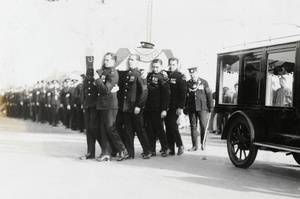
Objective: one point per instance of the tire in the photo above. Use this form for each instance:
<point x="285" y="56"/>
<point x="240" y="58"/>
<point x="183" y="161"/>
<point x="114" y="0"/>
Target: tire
<point x="241" y="151"/>
<point x="297" y="157"/>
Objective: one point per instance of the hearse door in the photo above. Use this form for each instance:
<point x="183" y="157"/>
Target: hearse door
<point x="279" y="109"/>
<point x="251" y="80"/>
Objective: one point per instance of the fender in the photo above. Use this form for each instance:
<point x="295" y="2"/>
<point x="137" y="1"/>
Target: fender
<point x="231" y="118"/>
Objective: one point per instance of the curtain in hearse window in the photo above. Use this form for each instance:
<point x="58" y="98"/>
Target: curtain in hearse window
<point x="229" y="73"/>
<point x="279" y="87"/>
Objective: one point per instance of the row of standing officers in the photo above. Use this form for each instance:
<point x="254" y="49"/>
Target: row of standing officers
<point x="48" y="102"/>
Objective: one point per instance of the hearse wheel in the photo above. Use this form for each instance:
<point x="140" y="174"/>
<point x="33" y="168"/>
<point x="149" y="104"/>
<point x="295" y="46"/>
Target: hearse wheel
<point x="241" y="151"/>
<point x="297" y="157"/>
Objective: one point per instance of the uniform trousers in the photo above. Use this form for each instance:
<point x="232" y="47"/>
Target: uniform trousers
<point x="33" y="116"/>
<point x="120" y="125"/>
<point x="67" y="117"/>
<point x="19" y="111"/>
<point x="92" y="123"/>
<point x="135" y="123"/>
<point x="42" y="113"/>
<point x="155" y="129"/>
<point x="49" y="114"/>
<point x="73" y="118"/>
<point x="37" y="113"/>
<point x="25" y="110"/>
<point x="172" y="131"/>
<point x="80" y="118"/>
<point x="109" y="133"/>
<point x="55" y="114"/>
<point x="194" y="117"/>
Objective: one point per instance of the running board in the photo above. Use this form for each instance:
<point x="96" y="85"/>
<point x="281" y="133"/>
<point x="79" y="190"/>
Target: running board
<point x="278" y="147"/>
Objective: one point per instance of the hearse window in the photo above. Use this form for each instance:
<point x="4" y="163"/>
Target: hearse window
<point x="279" y="87"/>
<point x="251" y="78"/>
<point x="228" y="79"/>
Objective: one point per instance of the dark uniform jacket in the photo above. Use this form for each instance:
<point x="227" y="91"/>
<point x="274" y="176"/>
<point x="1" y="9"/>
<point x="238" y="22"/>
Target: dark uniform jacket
<point x="72" y="98"/>
<point x="41" y="95"/>
<point x="90" y="93"/>
<point x="34" y="98"/>
<point x="178" y="87"/>
<point x="65" y="96"/>
<point x="79" y="94"/>
<point x="132" y="91"/>
<point x="158" y="92"/>
<point x="107" y="100"/>
<point x="25" y="96"/>
<point x="55" y="98"/>
<point x="199" y="96"/>
<point x="48" y="97"/>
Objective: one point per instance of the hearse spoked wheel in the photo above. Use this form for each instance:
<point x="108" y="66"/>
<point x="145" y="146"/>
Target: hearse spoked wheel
<point x="297" y="157"/>
<point x="241" y="151"/>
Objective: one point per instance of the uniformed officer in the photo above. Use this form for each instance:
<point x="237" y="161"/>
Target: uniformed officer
<point x="36" y="104"/>
<point x="198" y="103"/>
<point x="79" y="104"/>
<point x="30" y="98"/>
<point x="156" y="107"/>
<point x="19" y="102"/>
<point x="55" y="102"/>
<point x="132" y="99"/>
<point x="91" y="114"/>
<point x="41" y="97"/>
<point x="73" y="105"/>
<point x="62" y="99"/>
<point x="65" y="102"/>
<point x="25" y="102"/>
<point x="107" y="104"/>
<point x="178" y="89"/>
<point x="49" y="89"/>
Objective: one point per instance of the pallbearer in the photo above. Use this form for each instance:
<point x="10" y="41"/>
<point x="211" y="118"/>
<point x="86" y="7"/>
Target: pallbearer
<point x="91" y="115"/>
<point x="178" y="96"/>
<point x="107" y="104"/>
<point x="156" y="107"/>
<point x="132" y="98"/>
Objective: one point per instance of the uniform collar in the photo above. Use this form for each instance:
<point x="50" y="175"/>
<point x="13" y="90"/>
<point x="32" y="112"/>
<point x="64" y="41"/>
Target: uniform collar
<point x="175" y="71"/>
<point x="133" y="69"/>
<point x="109" y="68"/>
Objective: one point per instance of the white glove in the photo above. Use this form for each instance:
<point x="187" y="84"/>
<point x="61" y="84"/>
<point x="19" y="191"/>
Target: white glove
<point x="179" y="111"/>
<point x="163" y="114"/>
<point x="137" y="110"/>
<point x="115" y="89"/>
<point x="144" y="74"/>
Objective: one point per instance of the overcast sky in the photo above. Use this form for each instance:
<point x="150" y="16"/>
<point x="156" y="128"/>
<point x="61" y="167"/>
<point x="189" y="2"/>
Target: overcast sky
<point x="38" y="37"/>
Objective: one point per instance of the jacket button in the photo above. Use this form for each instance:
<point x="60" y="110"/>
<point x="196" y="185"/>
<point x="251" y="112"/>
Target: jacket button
<point x="125" y="97"/>
<point x="89" y="88"/>
<point x="89" y="94"/>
